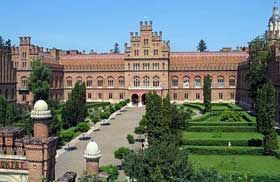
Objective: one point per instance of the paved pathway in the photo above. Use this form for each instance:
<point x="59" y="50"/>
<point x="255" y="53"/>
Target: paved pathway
<point x="109" y="138"/>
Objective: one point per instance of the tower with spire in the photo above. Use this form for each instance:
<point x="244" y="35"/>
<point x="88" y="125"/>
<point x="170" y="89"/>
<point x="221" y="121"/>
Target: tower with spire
<point x="273" y="32"/>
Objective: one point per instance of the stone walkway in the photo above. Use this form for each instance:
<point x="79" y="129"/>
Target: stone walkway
<point x="109" y="138"/>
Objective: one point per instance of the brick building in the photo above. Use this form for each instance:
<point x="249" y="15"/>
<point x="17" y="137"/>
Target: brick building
<point x="24" y="158"/>
<point x="147" y="64"/>
<point x="7" y="74"/>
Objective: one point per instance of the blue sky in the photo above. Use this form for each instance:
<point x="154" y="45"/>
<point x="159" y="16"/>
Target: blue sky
<point x="98" y="24"/>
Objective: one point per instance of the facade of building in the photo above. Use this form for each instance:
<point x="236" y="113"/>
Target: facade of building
<point x="7" y="74"/>
<point x="146" y="65"/>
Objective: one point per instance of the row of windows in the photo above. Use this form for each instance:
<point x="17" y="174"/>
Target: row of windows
<point x="198" y="82"/>
<point x="9" y="95"/>
<point x="146" y="66"/>
<point x="146" y="81"/>
<point x="146" y="52"/>
<point x="100" y="82"/>
<point x="100" y="95"/>
<point x="198" y="96"/>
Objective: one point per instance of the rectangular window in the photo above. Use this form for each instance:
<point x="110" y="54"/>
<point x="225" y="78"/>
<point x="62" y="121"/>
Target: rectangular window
<point x="232" y="96"/>
<point x="110" y="95"/>
<point x="99" y="96"/>
<point x="99" y="83"/>
<point x="89" y="83"/>
<point x="136" y="66"/>
<point x="186" y="96"/>
<point x="174" y="96"/>
<point x="121" y="95"/>
<point x="89" y="95"/>
<point x="155" y="52"/>
<point x="197" y="96"/>
<point x="121" y="83"/>
<point x="136" y="52"/>
<point x="23" y="97"/>
<point x="146" y="66"/>
<point x="146" y="52"/>
<point x="146" y="41"/>
<point x="156" y="66"/>
<point x="221" y="96"/>
<point x="110" y="83"/>
<point x="69" y="83"/>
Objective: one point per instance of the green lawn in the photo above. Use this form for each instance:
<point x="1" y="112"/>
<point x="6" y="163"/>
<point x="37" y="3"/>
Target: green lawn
<point x="252" y="165"/>
<point x="224" y="135"/>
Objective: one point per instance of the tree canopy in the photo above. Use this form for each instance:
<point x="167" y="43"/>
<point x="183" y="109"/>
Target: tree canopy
<point x="75" y="110"/>
<point x="39" y="80"/>
<point x="116" y="48"/>
<point x="202" y="46"/>
<point x="266" y="116"/>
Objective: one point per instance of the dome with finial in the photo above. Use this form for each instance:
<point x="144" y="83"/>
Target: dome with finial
<point x="275" y="13"/>
<point x="92" y="151"/>
<point x="40" y="110"/>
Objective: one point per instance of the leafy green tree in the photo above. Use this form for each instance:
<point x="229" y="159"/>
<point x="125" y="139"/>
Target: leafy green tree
<point x="39" y="80"/>
<point x="8" y="112"/>
<point x="201" y="46"/>
<point x="163" y="160"/>
<point x="75" y="111"/>
<point x="116" y="48"/>
<point x="130" y="139"/>
<point x="207" y="93"/>
<point x="259" y="56"/>
<point x="112" y="171"/>
<point x="8" y="43"/>
<point x="156" y="176"/>
<point x="122" y="152"/>
<point x="266" y="116"/>
<point x="154" y="117"/>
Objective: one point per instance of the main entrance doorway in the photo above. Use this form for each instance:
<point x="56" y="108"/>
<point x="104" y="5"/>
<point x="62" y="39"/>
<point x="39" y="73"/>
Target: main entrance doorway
<point x="135" y="99"/>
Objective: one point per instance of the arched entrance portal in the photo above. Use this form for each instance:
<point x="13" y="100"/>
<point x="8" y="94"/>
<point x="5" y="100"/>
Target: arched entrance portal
<point x="143" y="99"/>
<point x="134" y="99"/>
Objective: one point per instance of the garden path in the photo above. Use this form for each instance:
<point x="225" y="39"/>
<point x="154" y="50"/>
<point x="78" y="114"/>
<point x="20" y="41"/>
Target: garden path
<point x="109" y="138"/>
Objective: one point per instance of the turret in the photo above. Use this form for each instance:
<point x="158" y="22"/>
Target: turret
<point x="92" y="155"/>
<point x="24" y="41"/>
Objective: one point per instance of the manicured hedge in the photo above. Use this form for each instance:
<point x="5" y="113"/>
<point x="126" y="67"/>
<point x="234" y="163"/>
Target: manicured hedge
<point x="217" y="150"/>
<point x="198" y="142"/>
<point x="97" y="104"/>
<point x="222" y="128"/>
<point x="197" y="106"/>
<point x="221" y="124"/>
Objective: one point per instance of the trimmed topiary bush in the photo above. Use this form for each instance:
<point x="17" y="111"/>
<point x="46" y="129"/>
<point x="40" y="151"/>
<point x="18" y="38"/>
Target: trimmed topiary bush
<point x="104" y="115"/>
<point x="82" y="127"/>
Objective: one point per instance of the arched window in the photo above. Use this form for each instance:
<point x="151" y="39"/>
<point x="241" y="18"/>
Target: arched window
<point x="186" y="83"/>
<point x="221" y="81"/>
<point x="197" y="82"/>
<point x="136" y="81"/>
<point x="100" y="81"/>
<point x="156" y="81"/>
<point x="89" y="82"/>
<point x="110" y="81"/>
<point x="146" y="81"/>
<point x="69" y="82"/>
<point x="79" y="80"/>
<point x="121" y="81"/>
<point x="232" y="81"/>
<point x="174" y="81"/>
<point x="24" y="82"/>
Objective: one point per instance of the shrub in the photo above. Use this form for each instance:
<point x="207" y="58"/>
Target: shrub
<point x="130" y="139"/>
<point x="217" y="150"/>
<point x="111" y="109"/>
<point x="104" y="115"/>
<point x="112" y="171"/>
<point x="121" y="153"/>
<point x="222" y="124"/>
<point x="139" y="130"/>
<point x="67" y="135"/>
<point x="118" y="107"/>
<point x="82" y="127"/>
<point x="94" y="118"/>
<point x="230" y="116"/>
<point x="255" y="142"/>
